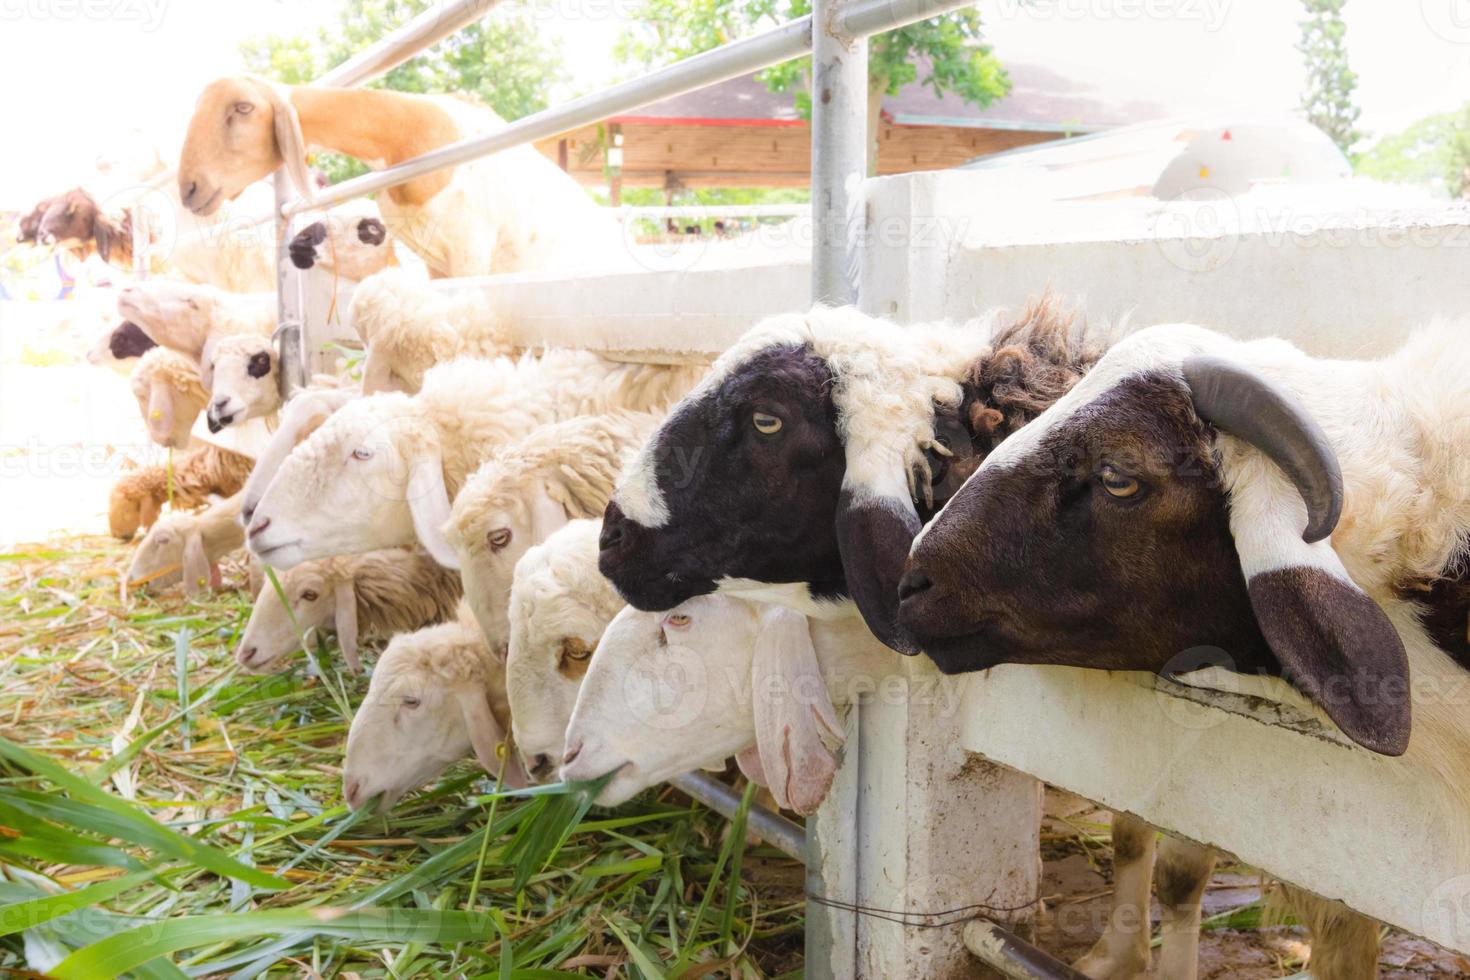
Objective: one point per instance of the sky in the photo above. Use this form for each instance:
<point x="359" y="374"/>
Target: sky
<point x="77" y="75"/>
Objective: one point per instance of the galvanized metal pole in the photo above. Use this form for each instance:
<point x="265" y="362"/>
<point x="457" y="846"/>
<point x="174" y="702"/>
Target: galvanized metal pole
<point x="290" y="338"/>
<point x="774" y="829"/>
<point x="839" y="150"/>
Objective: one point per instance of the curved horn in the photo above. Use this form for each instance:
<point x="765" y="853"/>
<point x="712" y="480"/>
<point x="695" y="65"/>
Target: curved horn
<point x="1248" y="406"/>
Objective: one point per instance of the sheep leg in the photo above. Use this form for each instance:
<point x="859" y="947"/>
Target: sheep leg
<point x="1183" y="869"/>
<point x="1344" y="942"/>
<point x="1122" y="952"/>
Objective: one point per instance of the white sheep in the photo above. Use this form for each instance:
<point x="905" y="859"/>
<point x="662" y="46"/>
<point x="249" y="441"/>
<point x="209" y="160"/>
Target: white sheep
<point x="409" y="326"/>
<point x="370" y="596"/>
<point x="559" y="606"/>
<point x="170" y="395"/>
<point x="507" y="212"/>
<point x="187" y="548"/>
<point x="436" y="696"/>
<point x="560" y="472"/>
<point x="300" y="417"/>
<point x="381" y="472"/>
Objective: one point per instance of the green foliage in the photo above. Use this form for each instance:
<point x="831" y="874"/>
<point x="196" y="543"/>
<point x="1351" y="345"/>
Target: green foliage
<point x="1434" y="149"/>
<point x="502" y="61"/>
<point x="951" y="45"/>
<point x="1328" y="99"/>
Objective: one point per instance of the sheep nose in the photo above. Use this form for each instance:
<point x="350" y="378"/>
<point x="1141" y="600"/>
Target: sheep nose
<point x="247" y="511"/>
<point x="247" y="656"/>
<point x="613" y="534"/>
<point x="913" y="582"/>
<point x="255" y="529"/>
<point x="351" y="790"/>
<point x="572" y="754"/>
<point x="541" y="766"/>
<point x="189" y="194"/>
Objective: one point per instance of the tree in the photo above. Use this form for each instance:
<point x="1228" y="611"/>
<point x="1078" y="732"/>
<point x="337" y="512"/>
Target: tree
<point x="1328" y="99"/>
<point x="949" y="47"/>
<point x="503" y="60"/>
<point x="1435" y="149"/>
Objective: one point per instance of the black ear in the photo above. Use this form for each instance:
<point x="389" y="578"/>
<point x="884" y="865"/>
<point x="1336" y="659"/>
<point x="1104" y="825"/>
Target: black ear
<point x="950" y="468"/>
<point x="259" y="366"/>
<point x="1339" y="649"/>
<point x="873" y="536"/>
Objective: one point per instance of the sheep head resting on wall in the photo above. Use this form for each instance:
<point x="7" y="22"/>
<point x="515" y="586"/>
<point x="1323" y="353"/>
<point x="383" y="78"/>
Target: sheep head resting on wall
<point x="242" y="129"/>
<point x="370" y="477"/>
<point x="170" y="396"/>
<point x="1170" y="513"/>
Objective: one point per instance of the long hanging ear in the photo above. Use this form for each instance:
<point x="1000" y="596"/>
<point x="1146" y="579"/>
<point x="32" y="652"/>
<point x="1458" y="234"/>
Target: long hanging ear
<point x="874" y="532"/>
<point x="289" y="141"/>
<point x="148" y="510"/>
<point x="198" y="572"/>
<point x="1334" y="643"/>
<point x="160" y="412"/>
<point x="749" y="761"/>
<point x="428" y="501"/>
<point x="206" y="367"/>
<point x="488" y="738"/>
<point x="795" y="721"/>
<point x="345" y="598"/>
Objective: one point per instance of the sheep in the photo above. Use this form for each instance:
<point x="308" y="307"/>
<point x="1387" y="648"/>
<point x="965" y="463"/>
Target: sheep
<point x="381" y="472"/>
<point x="74" y="221"/>
<point x="1294" y="515"/>
<point x="409" y="326"/>
<point x="559" y="606"/>
<point x="300" y="417"/>
<point x="798" y="471"/>
<point x="187" y="547"/>
<point x="170" y="396"/>
<point x="137" y="498"/>
<point x="375" y="595"/>
<point x="560" y="472"/>
<point x="120" y="347"/>
<point x="186" y="316"/>
<point x="241" y="373"/>
<point x="436" y="696"/>
<point x="352" y="239"/>
<point x="512" y="211"/>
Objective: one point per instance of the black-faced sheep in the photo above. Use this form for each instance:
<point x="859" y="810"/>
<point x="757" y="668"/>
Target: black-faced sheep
<point x="120" y="347"/>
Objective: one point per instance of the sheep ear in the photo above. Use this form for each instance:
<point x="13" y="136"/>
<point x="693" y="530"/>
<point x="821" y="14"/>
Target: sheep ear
<point x="874" y="532"/>
<point x="488" y="738"/>
<point x="428" y="501"/>
<point x="289" y="140"/>
<point x="345" y="597"/>
<point x="377" y="372"/>
<point x="749" y="761"/>
<point x="199" y="574"/>
<point x="102" y="234"/>
<point x="148" y="512"/>
<point x="160" y="412"/>
<point x="794" y="717"/>
<point x="1334" y="643"/>
<point x="206" y="366"/>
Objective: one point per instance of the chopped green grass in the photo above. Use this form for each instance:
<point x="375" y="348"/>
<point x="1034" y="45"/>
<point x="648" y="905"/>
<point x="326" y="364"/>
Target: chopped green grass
<point x="164" y="815"/>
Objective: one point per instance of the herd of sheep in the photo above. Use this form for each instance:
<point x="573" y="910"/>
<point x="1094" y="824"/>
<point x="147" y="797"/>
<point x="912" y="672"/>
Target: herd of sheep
<point x="538" y="539"/>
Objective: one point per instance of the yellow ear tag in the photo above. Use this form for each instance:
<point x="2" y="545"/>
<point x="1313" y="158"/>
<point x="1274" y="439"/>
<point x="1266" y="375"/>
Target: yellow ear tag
<point x="1204" y="173"/>
<point x="156" y="414"/>
<point x="502" y="749"/>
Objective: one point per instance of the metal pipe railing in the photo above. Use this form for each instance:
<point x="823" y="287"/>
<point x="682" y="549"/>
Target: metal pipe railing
<point x="424" y="31"/>
<point x="782" y="834"/>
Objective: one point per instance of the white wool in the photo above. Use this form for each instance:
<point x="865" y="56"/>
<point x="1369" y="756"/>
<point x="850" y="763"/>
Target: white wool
<point x="160" y="558"/>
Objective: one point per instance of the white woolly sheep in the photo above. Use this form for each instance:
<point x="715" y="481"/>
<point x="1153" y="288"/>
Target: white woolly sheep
<point x="525" y="491"/>
<point x="507" y="212"/>
<point x="187" y="547"/>
<point x="409" y="326"/>
<point x="184" y="316"/>
<point x="436" y="696"/>
<point x="300" y="417"/>
<point x="382" y="471"/>
<point x="241" y="375"/>
<point x="170" y="395"/>
<point x="137" y="498"/>
<point x="559" y="606"/>
<point x="359" y="597"/>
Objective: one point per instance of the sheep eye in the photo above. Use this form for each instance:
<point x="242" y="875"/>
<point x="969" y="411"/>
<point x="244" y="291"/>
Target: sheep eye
<point x="193" y="304"/>
<point x="677" y="620"/>
<point x="576" y="651"/>
<point x="499" y="538"/>
<point x="362" y="453"/>
<point x="766" y="424"/>
<point x="243" y="108"/>
<point x="259" y="366"/>
<point x="309" y="595"/>
<point x="1117" y="483"/>
<point x="411" y="702"/>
